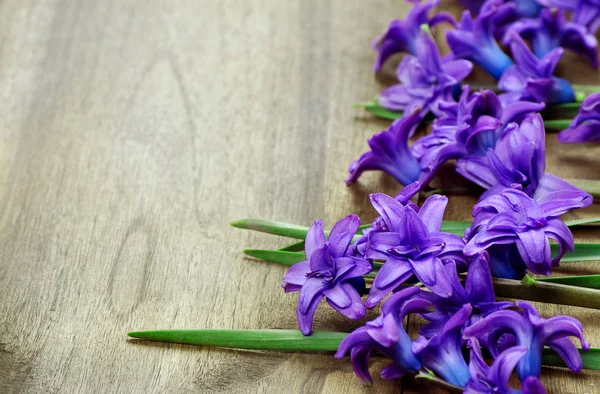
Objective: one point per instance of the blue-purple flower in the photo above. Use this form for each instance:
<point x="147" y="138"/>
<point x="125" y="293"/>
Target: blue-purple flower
<point x="494" y="379"/>
<point x="443" y="353"/>
<point x="474" y="40"/>
<point x="390" y="153"/>
<point x="411" y="243"/>
<point x="586" y="125"/>
<point x="328" y="273"/>
<point x="478" y="291"/>
<point x="425" y="80"/>
<point x="533" y="332"/>
<point x="519" y="161"/>
<point x="532" y="79"/>
<point x="386" y="335"/>
<point x="552" y="30"/>
<point x="401" y="35"/>
<point x="512" y="220"/>
<point x="470" y="127"/>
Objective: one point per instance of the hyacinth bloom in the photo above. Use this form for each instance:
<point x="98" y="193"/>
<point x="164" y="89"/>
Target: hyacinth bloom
<point x="478" y="291"/>
<point x="470" y="126"/>
<point x="533" y="332"/>
<point x="474" y="40"/>
<point x="390" y="153"/>
<point x="512" y="218"/>
<point x="586" y="125"/>
<point x="328" y="273"/>
<point x="404" y="197"/>
<point x="494" y="379"/>
<point x="443" y="353"/>
<point x="401" y="35"/>
<point x="411" y="244"/>
<point x="519" y="161"/>
<point x="531" y="79"/>
<point x="552" y="30"/>
<point x="587" y="13"/>
<point x="386" y="335"/>
<point x="425" y="80"/>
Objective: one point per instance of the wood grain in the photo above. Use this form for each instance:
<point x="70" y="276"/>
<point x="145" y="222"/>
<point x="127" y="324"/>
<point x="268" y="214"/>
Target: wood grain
<point x="132" y="132"/>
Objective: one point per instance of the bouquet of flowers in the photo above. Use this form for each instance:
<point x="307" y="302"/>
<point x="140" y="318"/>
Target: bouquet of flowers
<point x="411" y="264"/>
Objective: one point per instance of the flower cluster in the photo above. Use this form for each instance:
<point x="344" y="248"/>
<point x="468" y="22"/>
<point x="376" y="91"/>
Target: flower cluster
<point x="497" y="141"/>
<point x="406" y="245"/>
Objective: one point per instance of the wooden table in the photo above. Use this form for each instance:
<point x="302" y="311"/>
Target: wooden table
<point x="133" y="132"/>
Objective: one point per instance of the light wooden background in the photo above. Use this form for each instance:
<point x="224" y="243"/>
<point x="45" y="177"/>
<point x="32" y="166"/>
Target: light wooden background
<point x="132" y="133"/>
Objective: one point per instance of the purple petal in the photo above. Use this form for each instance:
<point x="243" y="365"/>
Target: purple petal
<point x="311" y="291"/>
<point x="532" y="385"/>
<point x="430" y="271"/>
<point x="336" y="296"/>
<point x="568" y="352"/>
<point x="534" y="248"/>
<point x="341" y="235"/>
<point x="315" y="238"/>
<point x="391" y="275"/>
<point x="432" y="212"/>
<point x="306" y="315"/>
<point x="296" y="276"/>
<point x="355" y="310"/>
<point x="504" y="365"/>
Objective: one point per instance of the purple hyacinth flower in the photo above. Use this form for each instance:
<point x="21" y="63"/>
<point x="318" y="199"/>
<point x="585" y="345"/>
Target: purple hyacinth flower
<point x="512" y="218"/>
<point x="533" y="333"/>
<point x="519" y="161"/>
<point x="401" y="35"/>
<point x="551" y="30"/>
<point x="443" y="353"/>
<point x="425" y="80"/>
<point x="494" y="379"/>
<point x="390" y="153"/>
<point x="587" y="13"/>
<point x="531" y="78"/>
<point x="387" y="336"/>
<point x="404" y="197"/>
<point x="586" y="125"/>
<point x="474" y="40"/>
<point x="469" y="127"/>
<point x="478" y="291"/>
<point x="411" y="244"/>
<point x="328" y="273"/>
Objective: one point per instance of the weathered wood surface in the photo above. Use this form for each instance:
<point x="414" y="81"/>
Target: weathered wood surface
<point x="132" y="132"/>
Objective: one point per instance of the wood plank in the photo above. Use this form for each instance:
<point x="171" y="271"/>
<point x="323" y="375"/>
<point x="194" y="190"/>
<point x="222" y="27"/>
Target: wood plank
<point x="132" y="133"/>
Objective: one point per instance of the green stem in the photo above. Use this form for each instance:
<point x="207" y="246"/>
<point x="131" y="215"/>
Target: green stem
<point x="589" y="281"/>
<point x="553" y="293"/>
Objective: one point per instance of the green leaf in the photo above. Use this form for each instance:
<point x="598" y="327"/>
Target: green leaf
<point x="292" y="340"/>
<point x="588" y="185"/>
<point x="272" y="227"/>
<point x="589" y="281"/>
<point x="374" y="108"/>
<point x="591" y="359"/>
<point x="295" y="247"/>
<point x="453" y="227"/>
<point x="582" y="252"/>
<point x="276" y="256"/>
